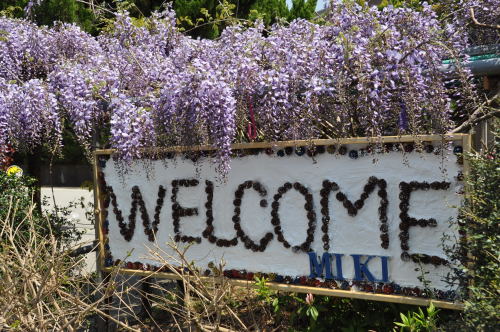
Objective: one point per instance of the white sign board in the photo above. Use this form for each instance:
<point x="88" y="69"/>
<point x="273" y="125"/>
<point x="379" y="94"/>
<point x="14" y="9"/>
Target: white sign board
<point x="347" y="214"/>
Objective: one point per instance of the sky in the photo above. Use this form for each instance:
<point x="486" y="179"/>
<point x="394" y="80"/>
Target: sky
<point x="320" y="5"/>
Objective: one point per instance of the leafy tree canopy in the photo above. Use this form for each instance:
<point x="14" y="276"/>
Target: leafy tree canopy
<point x="200" y="18"/>
<point x="46" y="12"/>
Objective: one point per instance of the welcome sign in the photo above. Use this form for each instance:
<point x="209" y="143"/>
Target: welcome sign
<point x="353" y="215"/>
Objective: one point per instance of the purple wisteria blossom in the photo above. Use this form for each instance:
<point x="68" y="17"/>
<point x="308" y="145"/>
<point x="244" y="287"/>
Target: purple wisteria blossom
<point x="131" y="127"/>
<point x="485" y="12"/>
<point x="29" y="115"/>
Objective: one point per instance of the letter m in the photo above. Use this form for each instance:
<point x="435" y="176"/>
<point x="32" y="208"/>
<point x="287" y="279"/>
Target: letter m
<point x="317" y="268"/>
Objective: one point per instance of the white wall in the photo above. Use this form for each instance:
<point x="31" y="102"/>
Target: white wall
<point x="63" y="198"/>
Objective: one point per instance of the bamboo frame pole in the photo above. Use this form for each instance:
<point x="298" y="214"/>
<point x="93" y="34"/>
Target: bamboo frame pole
<point x="315" y="142"/>
<point x="102" y="274"/>
<point x="308" y="289"/>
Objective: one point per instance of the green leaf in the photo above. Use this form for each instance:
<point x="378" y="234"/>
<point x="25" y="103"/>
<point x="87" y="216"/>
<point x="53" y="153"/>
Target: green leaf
<point x="204" y="11"/>
<point x="314" y="312"/>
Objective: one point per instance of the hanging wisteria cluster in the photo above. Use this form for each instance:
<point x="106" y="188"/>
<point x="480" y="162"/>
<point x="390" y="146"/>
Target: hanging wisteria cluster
<point x="365" y="72"/>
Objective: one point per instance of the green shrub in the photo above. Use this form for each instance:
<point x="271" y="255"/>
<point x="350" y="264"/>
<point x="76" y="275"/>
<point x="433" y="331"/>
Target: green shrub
<point x="16" y="199"/>
<point x="481" y="250"/>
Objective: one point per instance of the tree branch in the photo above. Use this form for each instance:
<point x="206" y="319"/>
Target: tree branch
<point x="479" y="115"/>
<point x="483" y="25"/>
<point x="413" y="50"/>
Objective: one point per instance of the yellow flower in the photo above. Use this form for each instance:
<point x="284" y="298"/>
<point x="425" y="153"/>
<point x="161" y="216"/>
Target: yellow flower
<point x="15" y="170"/>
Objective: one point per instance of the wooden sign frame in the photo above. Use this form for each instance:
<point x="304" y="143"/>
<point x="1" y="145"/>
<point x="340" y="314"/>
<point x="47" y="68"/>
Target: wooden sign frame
<point x="464" y="139"/>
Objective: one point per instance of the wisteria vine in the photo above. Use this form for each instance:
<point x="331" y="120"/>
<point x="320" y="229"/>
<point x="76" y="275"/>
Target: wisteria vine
<point x="365" y="72"/>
